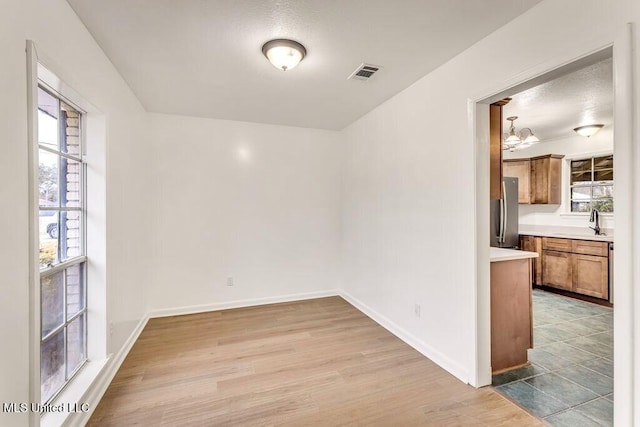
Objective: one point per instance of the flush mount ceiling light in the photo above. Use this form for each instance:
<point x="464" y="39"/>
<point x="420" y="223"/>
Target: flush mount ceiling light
<point x="517" y="140"/>
<point x="284" y="54"/>
<point x="588" y="130"/>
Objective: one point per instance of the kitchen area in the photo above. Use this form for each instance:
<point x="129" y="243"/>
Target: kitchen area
<point x="552" y="246"/>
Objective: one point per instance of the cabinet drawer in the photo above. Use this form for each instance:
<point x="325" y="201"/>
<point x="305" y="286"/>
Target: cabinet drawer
<point x="554" y="244"/>
<point x="589" y="247"/>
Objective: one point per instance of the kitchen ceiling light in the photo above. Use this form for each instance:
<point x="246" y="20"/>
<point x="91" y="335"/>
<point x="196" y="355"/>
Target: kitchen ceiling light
<point x="588" y="130"/>
<point x="284" y="54"/>
<point x="517" y="140"/>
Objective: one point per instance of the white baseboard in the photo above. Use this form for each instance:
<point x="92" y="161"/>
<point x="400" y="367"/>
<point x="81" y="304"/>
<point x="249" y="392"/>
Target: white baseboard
<point x="192" y="309"/>
<point x="451" y="366"/>
<point x="99" y="386"/>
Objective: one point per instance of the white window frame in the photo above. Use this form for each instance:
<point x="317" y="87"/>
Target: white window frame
<point x="81" y="387"/>
<point x="566" y="183"/>
<point x="80" y="259"/>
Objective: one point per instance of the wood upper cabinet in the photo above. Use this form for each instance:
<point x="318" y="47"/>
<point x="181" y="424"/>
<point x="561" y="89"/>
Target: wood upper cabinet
<point x="546" y="176"/>
<point x="520" y="169"/>
<point x="539" y="178"/>
<point x="495" y="149"/>
<point x="580" y="266"/>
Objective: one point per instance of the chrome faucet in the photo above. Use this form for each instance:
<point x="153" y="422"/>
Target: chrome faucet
<point x="595" y="217"/>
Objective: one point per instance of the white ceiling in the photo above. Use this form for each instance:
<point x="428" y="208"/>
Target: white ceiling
<point x="203" y="57"/>
<point x="553" y="109"/>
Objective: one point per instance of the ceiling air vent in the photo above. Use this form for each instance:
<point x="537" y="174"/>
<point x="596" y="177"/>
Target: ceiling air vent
<point x="364" y="72"/>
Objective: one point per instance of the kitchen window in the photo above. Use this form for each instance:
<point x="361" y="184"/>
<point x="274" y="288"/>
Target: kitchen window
<point x="61" y="187"/>
<point x="591" y="184"/>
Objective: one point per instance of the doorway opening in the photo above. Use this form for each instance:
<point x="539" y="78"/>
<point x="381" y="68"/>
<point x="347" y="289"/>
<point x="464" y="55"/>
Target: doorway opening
<point x="565" y="185"/>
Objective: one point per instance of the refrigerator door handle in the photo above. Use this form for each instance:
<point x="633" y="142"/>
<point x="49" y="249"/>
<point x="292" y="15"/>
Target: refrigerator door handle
<point x="501" y="222"/>
<point x="503" y="213"/>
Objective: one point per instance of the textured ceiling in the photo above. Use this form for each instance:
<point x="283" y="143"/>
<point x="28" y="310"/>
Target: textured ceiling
<point x="203" y="57"/>
<point x="553" y="109"/>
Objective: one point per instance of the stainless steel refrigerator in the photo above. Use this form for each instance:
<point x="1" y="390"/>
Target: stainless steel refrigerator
<point x="504" y="216"/>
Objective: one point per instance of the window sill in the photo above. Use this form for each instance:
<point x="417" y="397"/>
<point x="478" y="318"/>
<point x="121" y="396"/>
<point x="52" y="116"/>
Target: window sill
<point x="70" y="400"/>
<point x="585" y="214"/>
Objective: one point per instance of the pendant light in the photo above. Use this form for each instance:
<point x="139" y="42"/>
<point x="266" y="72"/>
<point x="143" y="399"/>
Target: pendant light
<point x="520" y="139"/>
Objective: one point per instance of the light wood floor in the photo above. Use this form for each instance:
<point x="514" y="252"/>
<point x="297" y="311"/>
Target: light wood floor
<point x="314" y="363"/>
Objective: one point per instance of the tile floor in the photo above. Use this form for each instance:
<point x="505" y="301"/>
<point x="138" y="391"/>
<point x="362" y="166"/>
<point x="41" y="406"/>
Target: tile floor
<point x="570" y="379"/>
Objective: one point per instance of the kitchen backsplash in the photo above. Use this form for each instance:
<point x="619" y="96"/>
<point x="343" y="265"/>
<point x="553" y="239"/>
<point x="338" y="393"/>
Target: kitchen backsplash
<point x="554" y="216"/>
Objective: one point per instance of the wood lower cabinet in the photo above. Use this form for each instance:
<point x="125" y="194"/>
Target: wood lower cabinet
<point x="533" y="244"/>
<point x="554" y="244"/>
<point x="588" y="247"/>
<point x="580" y="266"/>
<point x="557" y="270"/>
<point x="511" y="319"/>
<point x="591" y="275"/>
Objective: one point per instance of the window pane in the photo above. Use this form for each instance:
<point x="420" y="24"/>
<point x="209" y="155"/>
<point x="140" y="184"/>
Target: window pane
<point x="70" y="122"/>
<point x="52" y="302"/>
<point x="52" y="365"/>
<point x="75" y="289"/>
<point x="48" y="178"/>
<point x="48" y="113"/>
<point x="604" y="175"/>
<point x="605" y="162"/>
<point x="603" y="205"/>
<point x="581" y="193"/>
<point x="600" y="191"/>
<point x="70" y="188"/>
<point x="580" y="206"/>
<point x="603" y="167"/>
<point x="48" y="238"/>
<point x="580" y="176"/>
<point x="581" y="165"/>
<point x="75" y="344"/>
<point x="71" y="234"/>
<point x="48" y="104"/>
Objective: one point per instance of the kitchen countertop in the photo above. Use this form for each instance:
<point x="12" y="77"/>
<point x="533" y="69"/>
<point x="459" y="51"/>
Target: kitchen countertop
<point x="580" y="233"/>
<point x="503" y="254"/>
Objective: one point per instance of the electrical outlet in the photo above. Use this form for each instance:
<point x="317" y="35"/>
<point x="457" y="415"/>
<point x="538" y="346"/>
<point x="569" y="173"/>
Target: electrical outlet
<point x="416" y="310"/>
<point x="229" y="281"/>
<point x="110" y="329"/>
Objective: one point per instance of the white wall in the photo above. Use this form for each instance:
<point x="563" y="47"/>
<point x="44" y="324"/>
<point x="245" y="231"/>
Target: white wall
<point x="14" y="261"/>
<point x="258" y="203"/>
<point x="67" y="49"/>
<point x="572" y="147"/>
<point x="410" y="174"/>
<point x="274" y="220"/>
